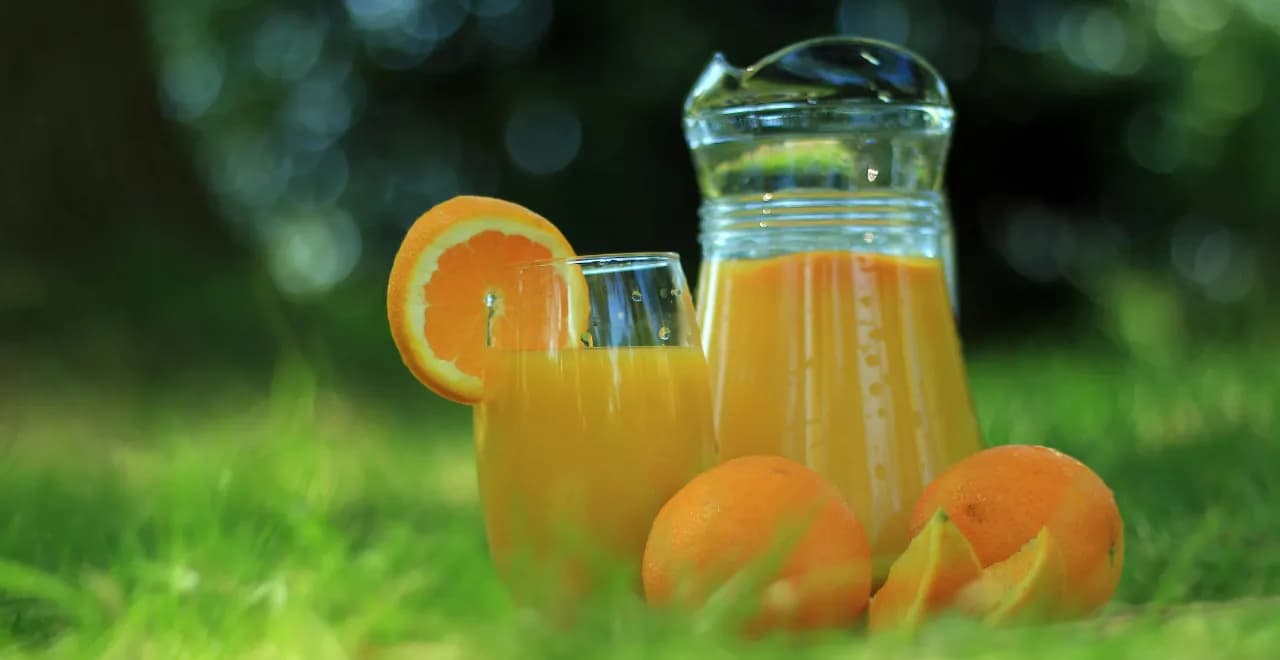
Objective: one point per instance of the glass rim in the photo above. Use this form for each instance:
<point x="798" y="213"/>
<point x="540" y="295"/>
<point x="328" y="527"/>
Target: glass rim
<point x="604" y="262"/>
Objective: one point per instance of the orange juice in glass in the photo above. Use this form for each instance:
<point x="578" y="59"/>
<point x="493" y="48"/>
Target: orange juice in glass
<point x="823" y="295"/>
<point x="596" y="410"/>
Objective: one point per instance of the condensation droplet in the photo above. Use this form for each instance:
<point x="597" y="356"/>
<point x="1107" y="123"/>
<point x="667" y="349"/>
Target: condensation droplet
<point x="875" y="389"/>
<point x="874" y="334"/>
<point x="675" y="293"/>
<point x="588" y="339"/>
<point x="872" y="359"/>
<point x="664" y="333"/>
<point x="881" y="472"/>
<point x="635" y="296"/>
<point x="882" y="412"/>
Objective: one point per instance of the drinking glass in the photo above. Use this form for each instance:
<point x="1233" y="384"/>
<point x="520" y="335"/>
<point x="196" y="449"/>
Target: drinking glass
<point x="596" y="410"/>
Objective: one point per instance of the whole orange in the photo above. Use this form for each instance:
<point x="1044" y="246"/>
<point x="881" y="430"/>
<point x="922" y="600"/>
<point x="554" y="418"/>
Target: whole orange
<point x="770" y="526"/>
<point x="1001" y="497"/>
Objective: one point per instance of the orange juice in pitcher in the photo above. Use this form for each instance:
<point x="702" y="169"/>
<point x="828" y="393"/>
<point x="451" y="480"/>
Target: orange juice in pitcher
<point x="824" y="295"/>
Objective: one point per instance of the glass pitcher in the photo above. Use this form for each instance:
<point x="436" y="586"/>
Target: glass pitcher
<point x="824" y="296"/>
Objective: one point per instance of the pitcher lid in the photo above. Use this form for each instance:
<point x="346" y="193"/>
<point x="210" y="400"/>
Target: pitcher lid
<point x="819" y="71"/>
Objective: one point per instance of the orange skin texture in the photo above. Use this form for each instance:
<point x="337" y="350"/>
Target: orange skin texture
<point x="764" y="513"/>
<point x="936" y="565"/>
<point x="1001" y="497"/>
<point x="455" y="316"/>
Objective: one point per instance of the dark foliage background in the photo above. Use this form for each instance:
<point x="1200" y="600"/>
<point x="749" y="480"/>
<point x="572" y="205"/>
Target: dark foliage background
<point x="203" y="183"/>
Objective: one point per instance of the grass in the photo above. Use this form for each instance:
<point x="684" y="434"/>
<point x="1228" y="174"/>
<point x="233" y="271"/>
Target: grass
<point x="295" y="520"/>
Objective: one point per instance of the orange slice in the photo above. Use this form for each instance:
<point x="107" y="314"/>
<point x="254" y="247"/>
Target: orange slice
<point x="936" y="564"/>
<point x="454" y="260"/>
<point x="1027" y="586"/>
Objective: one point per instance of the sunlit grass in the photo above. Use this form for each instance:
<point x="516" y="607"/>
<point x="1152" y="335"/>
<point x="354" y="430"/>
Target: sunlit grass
<point x="304" y="522"/>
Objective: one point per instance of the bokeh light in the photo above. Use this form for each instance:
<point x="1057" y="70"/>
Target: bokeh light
<point x="382" y="14"/>
<point x="1027" y="247"/>
<point x="385" y="107"/>
<point x="402" y="34"/>
<point x="1191" y="26"/>
<point x="1038" y="244"/>
<point x="543" y="137"/>
<point x="1028" y="25"/>
<point x="1224" y="86"/>
<point x="490" y="8"/>
<point x="1266" y="12"/>
<point x="191" y="83"/>
<point x="288" y="44"/>
<point x="1154" y="141"/>
<point x="400" y="48"/>
<point x="520" y="26"/>
<point x="309" y="250"/>
<point x="879" y="19"/>
<point x="253" y="168"/>
<point x="319" y="178"/>
<point x="319" y="109"/>
<point x="1214" y="258"/>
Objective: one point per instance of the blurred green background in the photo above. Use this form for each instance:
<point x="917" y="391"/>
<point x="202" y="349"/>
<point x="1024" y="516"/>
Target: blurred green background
<point x="197" y="183"/>
<point x="201" y="408"/>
